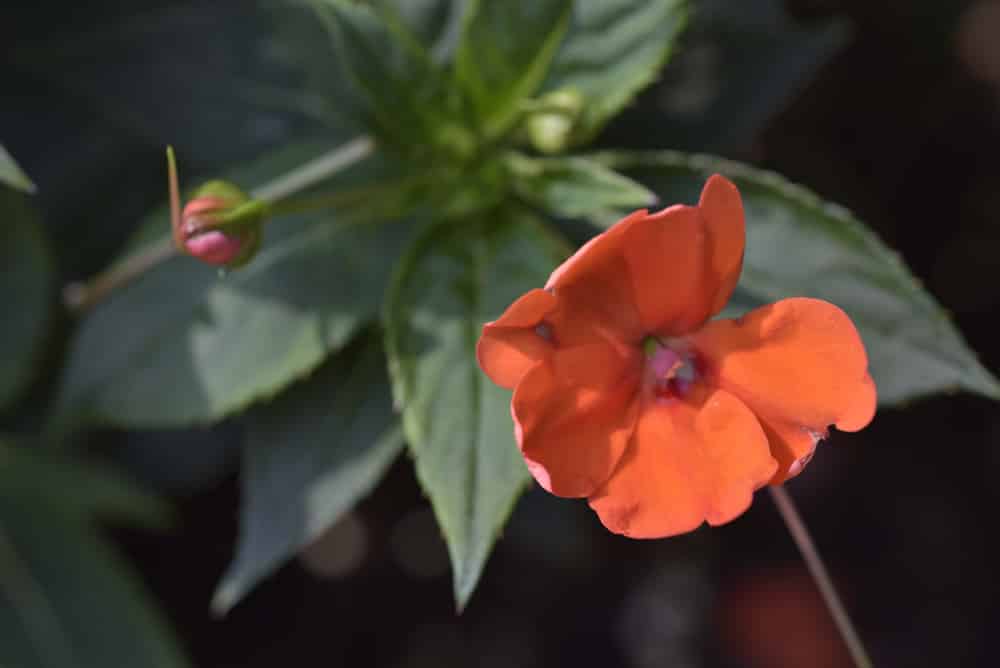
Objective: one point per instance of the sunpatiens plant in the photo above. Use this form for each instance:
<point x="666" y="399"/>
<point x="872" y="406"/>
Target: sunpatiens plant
<point x="367" y="274"/>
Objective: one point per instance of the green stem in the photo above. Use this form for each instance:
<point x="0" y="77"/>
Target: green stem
<point x="800" y="534"/>
<point x="80" y="297"/>
<point x="375" y="193"/>
<point x="314" y="171"/>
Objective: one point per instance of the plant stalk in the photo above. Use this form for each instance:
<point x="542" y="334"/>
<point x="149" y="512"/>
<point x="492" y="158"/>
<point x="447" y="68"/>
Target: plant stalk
<point x="800" y="534"/>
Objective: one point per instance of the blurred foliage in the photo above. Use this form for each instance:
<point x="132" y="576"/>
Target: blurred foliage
<point x="12" y="175"/>
<point x="25" y="291"/>
<point x="66" y="597"/>
<point x="395" y="262"/>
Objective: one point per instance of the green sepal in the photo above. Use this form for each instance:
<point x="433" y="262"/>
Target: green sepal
<point x="239" y="213"/>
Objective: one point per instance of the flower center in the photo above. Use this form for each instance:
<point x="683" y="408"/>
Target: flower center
<point x="670" y="369"/>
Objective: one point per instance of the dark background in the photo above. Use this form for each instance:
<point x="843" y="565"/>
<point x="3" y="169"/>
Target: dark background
<point x="890" y="107"/>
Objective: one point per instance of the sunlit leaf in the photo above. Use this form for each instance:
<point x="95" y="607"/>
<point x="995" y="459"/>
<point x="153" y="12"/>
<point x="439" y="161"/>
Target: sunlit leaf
<point x="310" y="456"/>
<point x="504" y="53"/>
<point x="575" y="187"/>
<point x="799" y="245"/>
<point x="25" y="291"/>
<point x="457" y="422"/>
<point x="612" y="50"/>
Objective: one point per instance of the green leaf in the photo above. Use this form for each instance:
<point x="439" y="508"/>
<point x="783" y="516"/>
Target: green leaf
<point x="84" y="490"/>
<point x="66" y="598"/>
<point x="183" y="346"/>
<point x="504" y="54"/>
<point x="433" y="23"/>
<point x="403" y="88"/>
<point x="310" y="456"/>
<point x="612" y="50"/>
<point x="575" y="187"/>
<point x="797" y="245"/>
<point x="457" y="423"/>
<point x="12" y="175"/>
<point x="25" y="290"/>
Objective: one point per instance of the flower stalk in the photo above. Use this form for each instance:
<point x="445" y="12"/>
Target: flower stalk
<point x="803" y="540"/>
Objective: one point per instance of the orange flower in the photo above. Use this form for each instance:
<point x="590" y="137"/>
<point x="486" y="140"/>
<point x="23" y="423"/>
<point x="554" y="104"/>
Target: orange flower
<point x="625" y="392"/>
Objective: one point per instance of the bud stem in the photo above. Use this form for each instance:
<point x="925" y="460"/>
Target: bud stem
<point x="79" y="297"/>
<point x="800" y="534"/>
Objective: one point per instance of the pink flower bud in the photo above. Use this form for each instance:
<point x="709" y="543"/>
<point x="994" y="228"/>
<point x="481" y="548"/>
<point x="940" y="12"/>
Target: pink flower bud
<point x="213" y="246"/>
<point x="220" y="225"/>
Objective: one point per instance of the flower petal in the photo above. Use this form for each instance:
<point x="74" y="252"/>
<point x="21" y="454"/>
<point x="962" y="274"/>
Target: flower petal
<point x="586" y="261"/>
<point x="594" y="288"/>
<point x="685" y="261"/>
<point x="862" y="407"/>
<point x="574" y="414"/>
<point x="689" y="461"/>
<point x="792" y="445"/>
<point x="799" y="364"/>
<point x="665" y="254"/>
<point x="511" y="345"/>
<point x="722" y="210"/>
<point x="666" y="272"/>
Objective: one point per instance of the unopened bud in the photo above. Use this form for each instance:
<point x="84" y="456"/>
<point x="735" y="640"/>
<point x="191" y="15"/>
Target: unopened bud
<point x="220" y="225"/>
<point x="550" y="129"/>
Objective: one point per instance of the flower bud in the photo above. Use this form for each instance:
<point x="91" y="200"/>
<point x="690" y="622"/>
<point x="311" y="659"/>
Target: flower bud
<point x="550" y="129"/>
<point x="220" y="225"/>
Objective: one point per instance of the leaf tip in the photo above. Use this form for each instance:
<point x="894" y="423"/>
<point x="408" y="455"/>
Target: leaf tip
<point x="226" y="596"/>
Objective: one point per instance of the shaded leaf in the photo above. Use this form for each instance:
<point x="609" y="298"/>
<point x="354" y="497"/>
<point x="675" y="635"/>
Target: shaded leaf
<point x="66" y="598"/>
<point x="25" y="290"/>
<point x="799" y="245"/>
<point x="434" y="23"/>
<point x="457" y="423"/>
<point x="504" y="54"/>
<point x="403" y="89"/>
<point x="310" y="456"/>
<point x="575" y="187"/>
<point x="612" y="50"/>
<point x="739" y="64"/>
<point x="182" y="345"/>
<point x="82" y="490"/>
<point x="179" y="462"/>
<point x="12" y="175"/>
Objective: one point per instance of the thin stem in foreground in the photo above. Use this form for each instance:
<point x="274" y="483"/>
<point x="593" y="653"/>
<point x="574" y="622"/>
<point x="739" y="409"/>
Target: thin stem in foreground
<point x="800" y="534"/>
